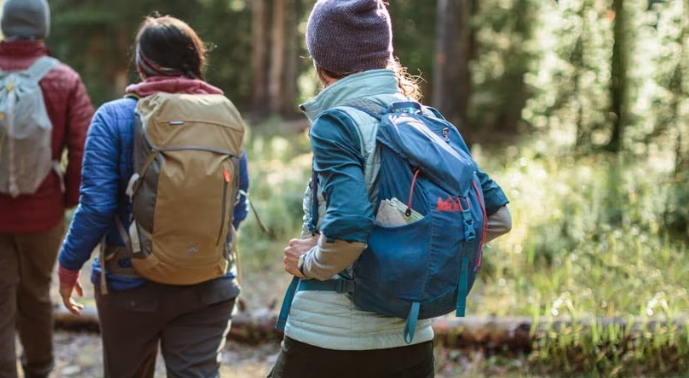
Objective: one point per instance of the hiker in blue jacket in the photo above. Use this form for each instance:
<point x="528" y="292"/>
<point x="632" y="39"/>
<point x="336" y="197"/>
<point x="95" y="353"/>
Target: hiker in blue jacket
<point x="326" y="335"/>
<point x="188" y="322"/>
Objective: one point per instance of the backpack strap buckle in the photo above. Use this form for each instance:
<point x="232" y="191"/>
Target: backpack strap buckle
<point x="345" y="286"/>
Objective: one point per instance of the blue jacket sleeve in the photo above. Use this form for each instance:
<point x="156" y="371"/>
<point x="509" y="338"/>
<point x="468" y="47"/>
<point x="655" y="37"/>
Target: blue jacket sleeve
<point x="98" y="192"/>
<point x="241" y="209"/>
<point x="493" y="196"/>
<point x="340" y="167"/>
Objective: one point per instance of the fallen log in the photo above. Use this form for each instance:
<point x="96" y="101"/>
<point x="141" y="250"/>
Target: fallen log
<point x="517" y="334"/>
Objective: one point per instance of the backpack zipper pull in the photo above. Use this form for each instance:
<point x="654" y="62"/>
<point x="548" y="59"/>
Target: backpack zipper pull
<point x="446" y="134"/>
<point x="226" y="175"/>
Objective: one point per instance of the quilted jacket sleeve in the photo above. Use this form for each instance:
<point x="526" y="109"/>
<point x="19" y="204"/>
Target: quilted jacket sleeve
<point x="99" y="184"/>
<point x="79" y="115"/>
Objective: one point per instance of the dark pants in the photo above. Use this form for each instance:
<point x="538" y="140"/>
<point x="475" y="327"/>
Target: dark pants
<point x="300" y="360"/>
<point x="190" y="323"/>
<point x="26" y="266"/>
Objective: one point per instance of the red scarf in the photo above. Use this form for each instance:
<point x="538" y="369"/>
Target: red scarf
<point x="167" y="84"/>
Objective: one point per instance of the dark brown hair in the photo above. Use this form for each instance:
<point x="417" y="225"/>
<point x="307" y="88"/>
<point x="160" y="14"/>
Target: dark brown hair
<point x="167" y="46"/>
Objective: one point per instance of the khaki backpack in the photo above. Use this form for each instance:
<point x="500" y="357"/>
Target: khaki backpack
<point x="187" y="150"/>
<point x="25" y="130"/>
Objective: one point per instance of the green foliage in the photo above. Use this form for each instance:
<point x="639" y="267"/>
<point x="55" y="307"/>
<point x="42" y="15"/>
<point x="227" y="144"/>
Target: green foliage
<point x="595" y="350"/>
<point x="279" y="169"/>
<point x="591" y="239"/>
<point x="572" y="76"/>
<point x="102" y="53"/>
<point x="413" y="29"/>
<point x="503" y="53"/>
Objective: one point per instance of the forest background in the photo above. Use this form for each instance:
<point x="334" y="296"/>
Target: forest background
<point x="578" y="108"/>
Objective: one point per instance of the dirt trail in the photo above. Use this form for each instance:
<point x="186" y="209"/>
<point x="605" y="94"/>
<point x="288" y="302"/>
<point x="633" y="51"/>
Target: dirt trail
<point x="79" y="355"/>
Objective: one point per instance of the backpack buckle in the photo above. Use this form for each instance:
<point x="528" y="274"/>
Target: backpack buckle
<point x="469" y="232"/>
<point x="345" y="286"/>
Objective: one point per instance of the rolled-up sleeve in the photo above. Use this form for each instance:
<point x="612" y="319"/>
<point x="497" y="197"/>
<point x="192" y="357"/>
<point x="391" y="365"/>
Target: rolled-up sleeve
<point x="493" y="195"/>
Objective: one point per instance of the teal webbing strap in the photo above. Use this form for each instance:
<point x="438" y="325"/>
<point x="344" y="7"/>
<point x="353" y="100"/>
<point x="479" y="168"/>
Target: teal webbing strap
<point x="287" y="304"/>
<point x="336" y="285"/>
<point x="410" y="327"/>
<point x="463" y="288"/>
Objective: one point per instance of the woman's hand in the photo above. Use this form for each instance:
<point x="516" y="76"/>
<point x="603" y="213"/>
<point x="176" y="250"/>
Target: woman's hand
<point x="69" y="282"/>
<point x="296" y="248"/>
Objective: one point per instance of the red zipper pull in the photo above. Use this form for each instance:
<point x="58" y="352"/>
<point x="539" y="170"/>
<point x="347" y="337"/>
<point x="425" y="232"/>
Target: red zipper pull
<point x="226" y="174"/>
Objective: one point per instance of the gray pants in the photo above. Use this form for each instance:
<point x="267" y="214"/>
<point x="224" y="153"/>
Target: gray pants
<point x="190" y="323"/>
<point x="26" y="267"/>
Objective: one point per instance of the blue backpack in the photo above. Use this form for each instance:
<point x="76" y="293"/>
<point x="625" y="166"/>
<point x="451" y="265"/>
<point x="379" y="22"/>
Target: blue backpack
<point x="425" y="267"/>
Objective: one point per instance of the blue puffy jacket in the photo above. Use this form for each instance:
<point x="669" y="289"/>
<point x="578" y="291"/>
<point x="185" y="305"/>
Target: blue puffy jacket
<point x="107" y="167"/>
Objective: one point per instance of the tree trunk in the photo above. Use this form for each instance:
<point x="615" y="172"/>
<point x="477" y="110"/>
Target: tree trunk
<point x="618" y="85"/>
<point x="451" y="79"/>
<point x="679" y="96"/>
<point x="277" y="57"/>
<point x="489" y="333"/>
<point x="583" y="134"/>
<point x="259" y="56"/>
<point x="290" y="74"/>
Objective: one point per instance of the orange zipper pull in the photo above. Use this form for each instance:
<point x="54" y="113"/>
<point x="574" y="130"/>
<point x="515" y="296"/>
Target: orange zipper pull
<point x="226" y="174"/>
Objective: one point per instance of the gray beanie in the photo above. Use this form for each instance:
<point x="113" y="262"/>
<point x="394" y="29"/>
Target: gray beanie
<point x="25" y="18"/>
<point x="346" y="36"/>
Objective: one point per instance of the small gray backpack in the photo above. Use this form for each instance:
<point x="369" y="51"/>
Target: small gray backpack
<point x="25" y="130"/>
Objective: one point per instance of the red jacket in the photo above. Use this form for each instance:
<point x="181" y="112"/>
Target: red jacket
<point x="70" y="110"/>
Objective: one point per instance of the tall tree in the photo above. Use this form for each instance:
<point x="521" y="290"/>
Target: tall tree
<point x="679" y="97"/>
<point x="618" y="85"/>
<point x="451" y="77"/>
<point x="518" y="59"/>
<point x="290" y="73"/>
<point x="259" y="54"/>
<point x="277" y="58"/>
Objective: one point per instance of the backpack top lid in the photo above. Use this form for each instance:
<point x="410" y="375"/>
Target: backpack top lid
<point x="414" y="139"/>
<point x="415" y="136"/>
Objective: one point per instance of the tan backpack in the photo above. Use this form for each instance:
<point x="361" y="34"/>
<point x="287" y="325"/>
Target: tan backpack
<point x="187" y="150"/>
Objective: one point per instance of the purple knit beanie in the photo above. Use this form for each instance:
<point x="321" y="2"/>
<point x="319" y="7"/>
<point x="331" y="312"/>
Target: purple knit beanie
<point x="346" y="36"/>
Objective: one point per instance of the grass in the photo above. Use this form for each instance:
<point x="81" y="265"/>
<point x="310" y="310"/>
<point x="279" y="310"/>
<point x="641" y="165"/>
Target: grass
<point x="596" y="236"/>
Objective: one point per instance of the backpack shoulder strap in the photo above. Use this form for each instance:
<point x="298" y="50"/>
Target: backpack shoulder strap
<point x="41" y="67"/>
<point x="366" y="105"/>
